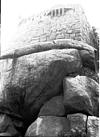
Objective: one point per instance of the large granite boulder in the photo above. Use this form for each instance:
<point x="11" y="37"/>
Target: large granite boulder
<point x="87" y="52"/>
<point x="88" y="59"/>
<point x="48" y="126"/>
<point x="75" y="125"/>
<point x="81" y="94"/>
<point x="53" y="107"/>
<point x="29" y="81"/>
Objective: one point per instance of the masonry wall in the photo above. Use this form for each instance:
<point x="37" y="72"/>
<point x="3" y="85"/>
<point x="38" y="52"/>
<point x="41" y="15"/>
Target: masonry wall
<point x="58" y="23"/>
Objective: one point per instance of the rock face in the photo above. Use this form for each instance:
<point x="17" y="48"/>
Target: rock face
<point x="48" y="84"/>
<point x="47" y="126"/>
<point x="88" y="59"/>
<point x="77" y="122"/>
<point x="53" y="107"/>
<point x="35" y="78"/>
<point x="93" y="126"/>
<point x="81" y="95"/>
<point x="9" y="129"/>
<point x="0" y="36"/>
<point x="74" y="125"/>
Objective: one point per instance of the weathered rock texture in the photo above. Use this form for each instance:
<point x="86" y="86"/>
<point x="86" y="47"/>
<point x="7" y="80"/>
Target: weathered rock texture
<point x="53" y="107"/>
<point x="35" y="78"/>
<point x="77" y="122"/>
<point x="93" y="126"/>
<point x="81" y="95"/>
<point x="48" y="126"/>
<point x="0" y="37"/>
<point x="48" y="85"/>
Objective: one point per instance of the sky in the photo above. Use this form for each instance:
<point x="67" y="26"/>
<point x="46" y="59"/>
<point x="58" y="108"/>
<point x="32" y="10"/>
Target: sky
<point x="14" y="10"/>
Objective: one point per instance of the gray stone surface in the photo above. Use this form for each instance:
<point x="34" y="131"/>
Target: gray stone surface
<point x="48" y="126"/>
<point x="81" y="94"/>
<point x="93" y="126"/>
<point x="88" y="59"/>
<point x="77" y="122"/>
<point x="49" y="45"/>
<point x="29" y="81"/>
<point x="53" y="107"/>
<point x="7" y="126"/>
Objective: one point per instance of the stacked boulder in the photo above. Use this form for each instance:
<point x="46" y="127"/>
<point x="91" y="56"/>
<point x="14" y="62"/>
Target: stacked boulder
<point x="43" y="90"/>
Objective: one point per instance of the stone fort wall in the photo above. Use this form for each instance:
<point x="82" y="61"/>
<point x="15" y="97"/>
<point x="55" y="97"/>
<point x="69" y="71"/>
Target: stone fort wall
<point x="58" y="23"/>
